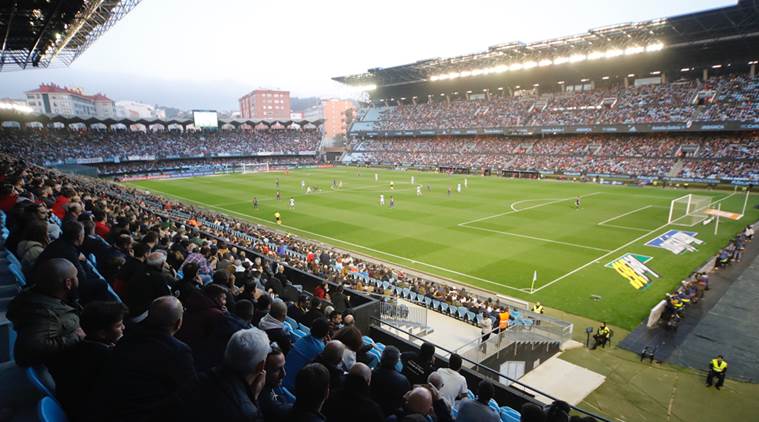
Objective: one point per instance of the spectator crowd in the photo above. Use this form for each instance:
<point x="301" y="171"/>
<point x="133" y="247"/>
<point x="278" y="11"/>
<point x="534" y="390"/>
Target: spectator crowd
<point x="701" y="156"/>
<point x="720" y="98"/>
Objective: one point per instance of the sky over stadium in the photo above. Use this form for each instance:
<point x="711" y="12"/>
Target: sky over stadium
<point x="201" y="54"/>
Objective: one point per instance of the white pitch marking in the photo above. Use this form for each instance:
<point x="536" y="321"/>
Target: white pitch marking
<point x="627" y="213"/>
<point x="525" y="209"/>
<point x="576" y="245"/>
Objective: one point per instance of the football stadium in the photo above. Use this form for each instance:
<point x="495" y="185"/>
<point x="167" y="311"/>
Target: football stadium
<point x="554" y="230"/>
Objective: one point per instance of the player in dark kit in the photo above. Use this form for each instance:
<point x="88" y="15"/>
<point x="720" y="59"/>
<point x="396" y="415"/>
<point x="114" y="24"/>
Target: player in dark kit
<point x="255" y="203"/>
<point x="278" y="196"/>
<point x="577" y="203"/>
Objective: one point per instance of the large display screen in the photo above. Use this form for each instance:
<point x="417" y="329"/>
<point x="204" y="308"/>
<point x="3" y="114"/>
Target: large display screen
<point x="205" y="119"/>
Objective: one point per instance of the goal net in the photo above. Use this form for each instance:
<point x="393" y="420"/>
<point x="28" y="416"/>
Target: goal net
<point x="689" y="210"/>
<point x="254" y="167"/>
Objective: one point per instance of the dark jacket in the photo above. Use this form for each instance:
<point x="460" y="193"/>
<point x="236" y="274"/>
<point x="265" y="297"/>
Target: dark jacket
<point x="75" y="375"/>
<point x="336" y="375"/>
<point x="296" y="313"/>
<point x="340" y="301"/>
<point x="311" y="316"/>
<point x="387" y="388"/>
<point x="301" y="415"/>
<point x="204" y="329"/>
<point x="273" y="406"/>
<point x="274" y="329"/>
<point x="45" y="327"/>
<point x="353" y="403"/>
<point x="416" y="369"/>
<point x="144" y="369"/>
<point x="218" y="395"/>
<point x="276" y="285"/>
<point x="89" y="288"/>
<point x="144" y="287"/>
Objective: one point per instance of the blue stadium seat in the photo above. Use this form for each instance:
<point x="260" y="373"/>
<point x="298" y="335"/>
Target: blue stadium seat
<point x="470" y="395"/>
<point x="48" y="410"/>
<point x="367" y="340"/>
<point x="41" y="379"/>
<point x="494" y="405"/>
<point x="462" y="311"/>
<point x="443" y="307"/>
<point x="471" y="316"/>
<point x="427" y="301"/>
<point x="435" y="304"/>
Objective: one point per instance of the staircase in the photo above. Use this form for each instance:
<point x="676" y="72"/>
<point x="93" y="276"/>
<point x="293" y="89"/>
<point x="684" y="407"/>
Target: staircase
<point x="675" y="170"/>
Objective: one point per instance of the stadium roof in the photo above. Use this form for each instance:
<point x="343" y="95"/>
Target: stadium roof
<point x="737" y="25"/>
<point x="44" y="33"/>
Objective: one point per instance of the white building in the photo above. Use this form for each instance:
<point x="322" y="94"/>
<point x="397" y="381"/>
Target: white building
<point x="136" y="110"/>
<point x="54" y="99"/>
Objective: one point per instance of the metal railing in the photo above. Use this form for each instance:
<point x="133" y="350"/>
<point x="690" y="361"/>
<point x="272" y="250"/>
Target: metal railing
<point x="479" y="367"/>
<point x="393" y="311"/>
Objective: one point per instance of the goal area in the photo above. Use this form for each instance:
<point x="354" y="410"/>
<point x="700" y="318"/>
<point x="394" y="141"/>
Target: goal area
<point x="254" y="167"/>
<point x="689" y="210"/>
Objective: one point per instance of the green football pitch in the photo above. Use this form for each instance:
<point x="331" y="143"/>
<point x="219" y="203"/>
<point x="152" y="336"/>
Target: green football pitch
<point x="496" y="234"/>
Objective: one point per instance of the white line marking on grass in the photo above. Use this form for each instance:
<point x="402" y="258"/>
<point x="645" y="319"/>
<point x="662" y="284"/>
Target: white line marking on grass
<point x="611" y="252"/>
<point x="624" y="227"/>
<point x="513" y="211"/>
<point x="413" y="261"/>
<point x="622" y="215"/>
<point x="575" y="245"/>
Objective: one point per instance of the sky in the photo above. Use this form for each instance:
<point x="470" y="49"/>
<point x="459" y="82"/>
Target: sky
<point x="206" y="54"/>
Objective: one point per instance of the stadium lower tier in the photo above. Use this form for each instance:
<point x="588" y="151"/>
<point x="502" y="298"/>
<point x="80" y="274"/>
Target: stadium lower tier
<point x="702" y="156"/>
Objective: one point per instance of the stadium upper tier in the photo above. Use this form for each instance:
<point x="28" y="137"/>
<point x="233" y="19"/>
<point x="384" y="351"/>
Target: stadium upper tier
<point x="93" y="146"/>
<point x="720" y="157"/>
<point x="725" y="98"/>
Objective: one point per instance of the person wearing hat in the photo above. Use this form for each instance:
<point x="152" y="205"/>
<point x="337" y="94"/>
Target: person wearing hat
<point x="717" y="368"/>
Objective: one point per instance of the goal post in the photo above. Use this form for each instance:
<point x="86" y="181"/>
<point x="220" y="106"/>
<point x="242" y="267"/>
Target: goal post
<point x="689" y="210"/>
<point x="254" y="167"/>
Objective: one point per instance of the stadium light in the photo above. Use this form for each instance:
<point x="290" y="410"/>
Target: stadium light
<point x="685" y="69"/>
<point x="560" y="82"/>
<point x="716" y="66"/>
<point x="485" y="90"/>
<point x="500" y="88"/>
<point x="469" y="92"/>
<point x="517" y="87"/>
<point x="536" y="85"/>
<point x="584" y="80"/>
<point x="753" y="62"/>
<point x="572" y="58"/>
<point x="606" y="78"/>
<point x="656" y="72"/>
<point x="630" y="75"/>
<point x="16" y="107"/>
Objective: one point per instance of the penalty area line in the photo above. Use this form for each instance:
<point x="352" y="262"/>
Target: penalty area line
<point x="514" y="211"/>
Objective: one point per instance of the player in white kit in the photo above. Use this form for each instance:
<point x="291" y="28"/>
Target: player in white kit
<point x="458" y="187"/>
<point x="419" y="190"/>
<point x="382" y="200"/>
<point x="292" y="202"/>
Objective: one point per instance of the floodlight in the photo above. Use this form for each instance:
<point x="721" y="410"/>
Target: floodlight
<point x="630" y="75"/>
<point x="606" y="78"/>
<point x="575" y="58"/>
<point x="654" y="47"/>
<point x="560" y="60"/>
<point x="545" y="62"/>
<point x="716" y="66"/>
<point x="685" y="69"/>
<point x="529" y="65"/>
<point x="633" y="50"/>
<point x="613" y="53"/>
<point x="515" y="66"/>
<point x="595" y="55"/>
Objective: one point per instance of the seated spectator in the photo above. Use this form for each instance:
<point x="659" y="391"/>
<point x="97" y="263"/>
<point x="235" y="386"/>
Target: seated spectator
<point x="314" y="312"/>
<point x="305" y="350"/>
<point x="273" y="324"/>
<point x="332" y="357"/>
<point x="353" y="402"/>
<point x="145" y="286"/>
<point x="417" y="406"/>
<point x="79" y="368"/>
<point x="243" y="313"/>
<point x="417" y="366"/>
<point x="263" y="305"/>
<point x="297" y="310"/>
<point x="228" y="392"/>
<point x="205" y="328"/>
<point x="558" y="411"/>
<point x="531" y="412"/>
<point x="35" y="240"/>
<point x="67" y="247"/>
<point x="189" y="283"/>
<point x="311" y="390"/>
<point x="478" y="410"/>
<point x="45" y="322"/>
<point x="273" y="406"/>
<point x="353" y="340"/>
<point x="454" y="384"/>
<point x="339" y="300"/>
<point x="146" y="367"/>
<point x="388" y="385"/>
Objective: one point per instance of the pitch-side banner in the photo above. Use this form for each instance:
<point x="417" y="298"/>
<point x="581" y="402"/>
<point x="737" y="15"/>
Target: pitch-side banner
<point x="562" y="129"/>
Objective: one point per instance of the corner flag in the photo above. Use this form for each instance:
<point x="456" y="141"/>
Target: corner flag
<point x="534" y="279"/>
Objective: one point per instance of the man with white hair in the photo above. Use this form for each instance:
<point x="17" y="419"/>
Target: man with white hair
<point x="228" y="392"/>
<point x="273" y="324"/>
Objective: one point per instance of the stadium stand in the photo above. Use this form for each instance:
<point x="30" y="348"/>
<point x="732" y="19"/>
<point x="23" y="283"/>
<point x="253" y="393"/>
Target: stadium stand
<point x="146" y="250"/>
